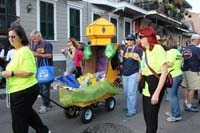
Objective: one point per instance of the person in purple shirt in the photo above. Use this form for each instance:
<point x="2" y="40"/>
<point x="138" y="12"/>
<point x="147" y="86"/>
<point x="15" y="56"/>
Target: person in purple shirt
<point x="43" y="49"/>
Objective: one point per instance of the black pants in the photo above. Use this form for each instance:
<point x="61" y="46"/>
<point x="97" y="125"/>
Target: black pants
<point x="151" y="111"/>
<point x="22" y="112"/>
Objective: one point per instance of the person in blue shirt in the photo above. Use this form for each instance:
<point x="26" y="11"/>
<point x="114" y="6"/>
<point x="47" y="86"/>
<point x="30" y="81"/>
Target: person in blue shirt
<point x="191" y="72"/>
<point x="130" y="73"/>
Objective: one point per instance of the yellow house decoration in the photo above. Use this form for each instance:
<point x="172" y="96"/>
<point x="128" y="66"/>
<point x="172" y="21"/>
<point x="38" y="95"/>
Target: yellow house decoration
<point x="100" y="32"/>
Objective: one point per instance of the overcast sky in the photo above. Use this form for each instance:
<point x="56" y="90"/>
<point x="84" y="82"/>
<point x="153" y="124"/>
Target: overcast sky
<point x="195" y="5"/>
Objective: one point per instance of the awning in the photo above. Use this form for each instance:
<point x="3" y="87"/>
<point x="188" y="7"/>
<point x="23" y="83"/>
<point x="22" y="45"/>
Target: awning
<point x="104" y="3"/>
<point x="162" y="19"/>
<point x="123" y="8"/>
<point x="129" y="10"/>
<point x="183" y="30"/>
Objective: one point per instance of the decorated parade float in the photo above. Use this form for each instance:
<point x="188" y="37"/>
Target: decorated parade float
<point x="96" y="84"/>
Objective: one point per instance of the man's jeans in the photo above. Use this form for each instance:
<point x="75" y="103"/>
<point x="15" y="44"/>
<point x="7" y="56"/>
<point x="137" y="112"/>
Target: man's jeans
<point x="45" y="90"/>
<point x="173" y="94"/>
<point x="130" y="88"/>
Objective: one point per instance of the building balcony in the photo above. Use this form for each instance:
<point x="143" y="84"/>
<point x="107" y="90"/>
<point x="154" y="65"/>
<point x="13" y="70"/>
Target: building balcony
<point x="167" y="9"/>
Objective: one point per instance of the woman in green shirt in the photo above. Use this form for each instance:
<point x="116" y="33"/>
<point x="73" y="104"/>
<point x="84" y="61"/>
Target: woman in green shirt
<point x="153" y="89"/>
<point x="174" y="63"/>
<point x="22" y="84"/>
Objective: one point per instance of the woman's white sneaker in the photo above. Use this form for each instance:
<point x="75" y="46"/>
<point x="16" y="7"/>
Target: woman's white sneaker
<point x="173" y="119"/>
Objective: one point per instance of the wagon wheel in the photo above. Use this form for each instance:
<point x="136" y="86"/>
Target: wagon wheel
<point x="110" y="104"/>
<point x="86" y="114"/>
<point x="71" y="111"/>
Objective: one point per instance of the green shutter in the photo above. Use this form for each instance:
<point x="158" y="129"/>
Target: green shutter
<point x="47" y="20"/>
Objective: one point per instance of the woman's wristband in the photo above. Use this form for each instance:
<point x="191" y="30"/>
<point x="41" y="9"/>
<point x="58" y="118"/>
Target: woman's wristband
<point x="12" y="73"/>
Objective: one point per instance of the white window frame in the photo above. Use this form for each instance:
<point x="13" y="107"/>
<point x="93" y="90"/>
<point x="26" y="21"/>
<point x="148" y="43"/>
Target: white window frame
<point x="117" y="18"/>
<point x="17" y="7"/>
<point x="55" y="16"/>
<point x="93" y="15"/>
<point x="131" y="24"/>
<point x="78" y="7"/>
<point x="96" y="11"/>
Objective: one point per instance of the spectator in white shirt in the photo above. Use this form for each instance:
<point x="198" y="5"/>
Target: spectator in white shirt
<point x="10" y="54"/>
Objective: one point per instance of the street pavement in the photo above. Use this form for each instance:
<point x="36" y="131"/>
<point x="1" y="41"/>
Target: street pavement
<point x="58" y="123"/>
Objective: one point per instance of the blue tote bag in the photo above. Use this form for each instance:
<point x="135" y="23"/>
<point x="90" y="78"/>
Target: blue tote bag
<point x="69" y="80"/>
<point x="45" y="73"/>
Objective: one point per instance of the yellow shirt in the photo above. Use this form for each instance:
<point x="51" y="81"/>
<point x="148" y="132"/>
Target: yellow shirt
<point x="156" y="58"/>
<point x="174" y="56"/>
<point x="23" y="60"/>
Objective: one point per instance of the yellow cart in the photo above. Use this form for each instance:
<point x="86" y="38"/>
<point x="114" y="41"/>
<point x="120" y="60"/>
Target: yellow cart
<point x="100" y="33"/>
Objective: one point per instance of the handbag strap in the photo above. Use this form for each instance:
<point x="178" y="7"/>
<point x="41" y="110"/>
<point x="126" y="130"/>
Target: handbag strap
<point x="154" y="73"/>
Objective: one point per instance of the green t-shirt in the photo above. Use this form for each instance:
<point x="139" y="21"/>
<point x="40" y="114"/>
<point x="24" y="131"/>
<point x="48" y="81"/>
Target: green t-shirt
<point x="156" y="58"/>
<point x="174" y="56"/>
<point x="23" y="60"/>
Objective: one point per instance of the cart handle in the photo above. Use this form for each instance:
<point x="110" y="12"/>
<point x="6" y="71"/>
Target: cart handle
<point x="52" y="101"/>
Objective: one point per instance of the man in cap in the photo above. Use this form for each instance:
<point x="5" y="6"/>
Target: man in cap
<point x="130" y="73"/>
<point x="191" y="72"/>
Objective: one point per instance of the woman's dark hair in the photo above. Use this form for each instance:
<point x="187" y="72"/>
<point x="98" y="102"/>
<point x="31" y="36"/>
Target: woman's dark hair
<point x="21" y="33"/>
<point x="172" y="44"/>
<point x="150" y="34"/>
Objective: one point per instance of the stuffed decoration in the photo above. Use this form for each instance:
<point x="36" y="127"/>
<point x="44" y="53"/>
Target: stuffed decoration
<point x="109" y="51"/>
<point x="87" y="52"/>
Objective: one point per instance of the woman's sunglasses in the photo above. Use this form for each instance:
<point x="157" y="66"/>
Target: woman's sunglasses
<point x="12" y="37"/>
<point x="141" y="36"/>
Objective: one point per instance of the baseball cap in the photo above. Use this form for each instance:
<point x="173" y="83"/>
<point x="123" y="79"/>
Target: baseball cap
<point x="195" y="36"/>
<point x="130" y="37"/>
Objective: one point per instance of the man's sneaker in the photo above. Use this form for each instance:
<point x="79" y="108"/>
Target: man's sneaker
<point x="191" y="109"/>
<point x="168" y="114"/>
<point x="49" y="131"/>
<point x="194" y="106"/>
<point x="130" y="114"/>
<point x="173" y="119"/>
<point x="43" y="109"/>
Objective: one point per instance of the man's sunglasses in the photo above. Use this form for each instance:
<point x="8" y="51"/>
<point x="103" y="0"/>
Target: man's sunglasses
<point x="129" y="39"/>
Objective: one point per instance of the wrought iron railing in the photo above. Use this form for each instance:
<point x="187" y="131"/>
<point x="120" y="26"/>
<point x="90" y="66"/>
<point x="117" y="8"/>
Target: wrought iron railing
<point x="161" y="8"/>
<point x="149" y="5"/>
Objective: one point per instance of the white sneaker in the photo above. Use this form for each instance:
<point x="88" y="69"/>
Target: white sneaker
<point x="168" y="114"/>
<point x="173" y="119"/>
<point x="49" y="131"/>
<point x="43" y="109"/>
